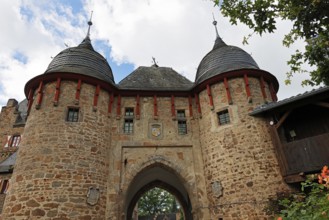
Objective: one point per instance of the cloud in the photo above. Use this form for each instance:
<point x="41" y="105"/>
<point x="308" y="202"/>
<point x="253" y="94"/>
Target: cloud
<point x="177" y="33"/>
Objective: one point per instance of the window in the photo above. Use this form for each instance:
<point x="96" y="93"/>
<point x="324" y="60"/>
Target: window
<point x="128" y="126"/>
<point x="223" y="117"/>
<point x="4" y="186"/>
<point x="72" y="114"/>
<point x="15" y="140"/>
<point x="181" y="120"/>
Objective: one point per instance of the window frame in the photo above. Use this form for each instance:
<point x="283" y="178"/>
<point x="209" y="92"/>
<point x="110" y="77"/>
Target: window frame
<point x="128" y="124"/>
<point x="223" y="117"/>
<point x="75" y="116"/>
<point x="181" y="122"/>
<point x="15" y="140"/>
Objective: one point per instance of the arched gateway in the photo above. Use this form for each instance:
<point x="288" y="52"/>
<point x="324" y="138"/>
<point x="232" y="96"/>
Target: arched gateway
<point x="157" y="175"/>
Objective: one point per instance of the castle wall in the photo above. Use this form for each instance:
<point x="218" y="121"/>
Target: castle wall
<point x="240" y="165"/>
<point x="58" y="160"/>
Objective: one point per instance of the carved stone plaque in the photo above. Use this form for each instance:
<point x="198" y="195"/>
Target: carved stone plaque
<point x="93" y="195"/>
<point x="217" y="189"/>
<point x="155" y="131"/>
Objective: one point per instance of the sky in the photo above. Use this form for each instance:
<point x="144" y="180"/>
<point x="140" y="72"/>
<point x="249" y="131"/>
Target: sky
<point x="178" y="33"/>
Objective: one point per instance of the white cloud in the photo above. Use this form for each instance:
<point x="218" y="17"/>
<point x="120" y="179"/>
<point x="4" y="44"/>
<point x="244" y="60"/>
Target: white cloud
<point x="177" y="33"/>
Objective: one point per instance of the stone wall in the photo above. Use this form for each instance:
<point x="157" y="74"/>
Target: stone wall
<point x="59" y="161"/>
<point x="240" y="165"/>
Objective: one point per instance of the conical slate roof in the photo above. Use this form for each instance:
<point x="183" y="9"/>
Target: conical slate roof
<point x="223" y="58"/>
<point x="82" y="59"/>
<point x="155" y="78"/>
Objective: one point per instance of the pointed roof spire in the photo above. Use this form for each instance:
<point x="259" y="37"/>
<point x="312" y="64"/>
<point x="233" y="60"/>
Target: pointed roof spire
<point x="218" y="42"/>
<point x="215" y="24"/>
<point x="86" y="43"/>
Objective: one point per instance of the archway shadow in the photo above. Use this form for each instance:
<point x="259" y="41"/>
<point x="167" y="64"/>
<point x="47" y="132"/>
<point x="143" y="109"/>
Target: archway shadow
<point x="157" y="175"/>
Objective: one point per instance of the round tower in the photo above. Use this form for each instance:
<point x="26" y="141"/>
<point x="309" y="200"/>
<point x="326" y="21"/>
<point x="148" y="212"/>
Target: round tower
<point x="62" y="166"/>
<point x="240" y="165"/>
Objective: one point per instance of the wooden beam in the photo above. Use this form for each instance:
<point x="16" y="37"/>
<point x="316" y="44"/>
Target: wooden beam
<point x="97" y="90"/>
<point x="197" y="102"/>
<point x="30" y="100"/>
<point x="322" y="104"/>
<point x="155" y="107"/>
<point x="77" y="93"/>
<point x="262" y="87"/>
<point x="229" y="98"/>
<point x="282" y="119"/>
<point x="137" y="107"/>
<point x="111" y="97"/>
<point x="119" y="107"/>
<point x="273" y="94"/>
<point x="190" y="106"/>
<point x="40" y="95"/>
<point x="173" y="112"/>
<point x="246" y="83"/>
<point x="211" y="102"/>
<point x="58" y="85"/>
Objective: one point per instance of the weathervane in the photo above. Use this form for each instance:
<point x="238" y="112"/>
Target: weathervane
<point x="215" y="24"/>
<point x="154" y="62"/>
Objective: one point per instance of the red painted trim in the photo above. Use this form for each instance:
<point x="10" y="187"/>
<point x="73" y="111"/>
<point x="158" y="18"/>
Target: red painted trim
<point x="262" y="86"/>
<point x="30" y="100"/>
<point x="98" y="87"/>
<point x="137" y="106"/>
<point x="40" y="94"/>
<point x="155" y="105"/>
<point x="211" y="102"/>
<point x="273" y="94"/>
<point x="190" y="105"/>
<point x="110" y="103"/>
<point x="173" y="113"/>
<point x="58" y="85"/>
<point x="119" y="105"/>
<point x="197" y="102"/>
<point x="246" y="82"/>
<point x="228" y="94"/>
<point x="77" y="94"/>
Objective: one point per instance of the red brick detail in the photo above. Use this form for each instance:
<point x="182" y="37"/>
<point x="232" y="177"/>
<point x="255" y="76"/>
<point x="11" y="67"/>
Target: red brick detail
<point x="77" y="94"/>
<point x="173" y="113"/>
<point x="273" y="94"/>
<point x="98" y="87"/>
<point x="40" y="95"/>
<point x="262" y="87"/>
<point x="119" y="105"/>
<point x="246" y="82"/>
<point x="197" y="102"/>
<point x="137" y="106"/>
<point x="111" y="98"/>
<point x="190" y="105"/>
<point x="155" y="105"/>
<point x="30" y="100"/>
<point x="229" y="98"/>
<point x="211" y="102"/>
<point x="58" y="86"/>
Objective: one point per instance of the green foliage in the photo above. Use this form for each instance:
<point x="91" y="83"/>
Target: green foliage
<point x="311" y="203"/>
<point x="310" y="20"/>
<point x="157" y="201"/>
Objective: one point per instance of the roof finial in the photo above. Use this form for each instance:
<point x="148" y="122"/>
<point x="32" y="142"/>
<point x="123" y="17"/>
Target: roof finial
<point x="89" y="24"/>
<point x="215" y="24"/>
<point x="154" y="62"/>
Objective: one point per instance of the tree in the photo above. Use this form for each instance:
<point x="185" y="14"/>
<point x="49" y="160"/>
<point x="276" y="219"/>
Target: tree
<point x="156" y="201"/>
<point x="310" y="20"/>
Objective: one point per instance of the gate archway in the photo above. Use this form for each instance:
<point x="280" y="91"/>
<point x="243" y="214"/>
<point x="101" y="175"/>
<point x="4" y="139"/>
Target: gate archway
<point x="157" y="175"/>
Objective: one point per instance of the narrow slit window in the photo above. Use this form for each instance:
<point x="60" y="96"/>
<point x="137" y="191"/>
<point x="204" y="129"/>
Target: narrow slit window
<point x="223" y="117"/>
<point x="4" y="186"/>
<point x="72" y="115"/>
